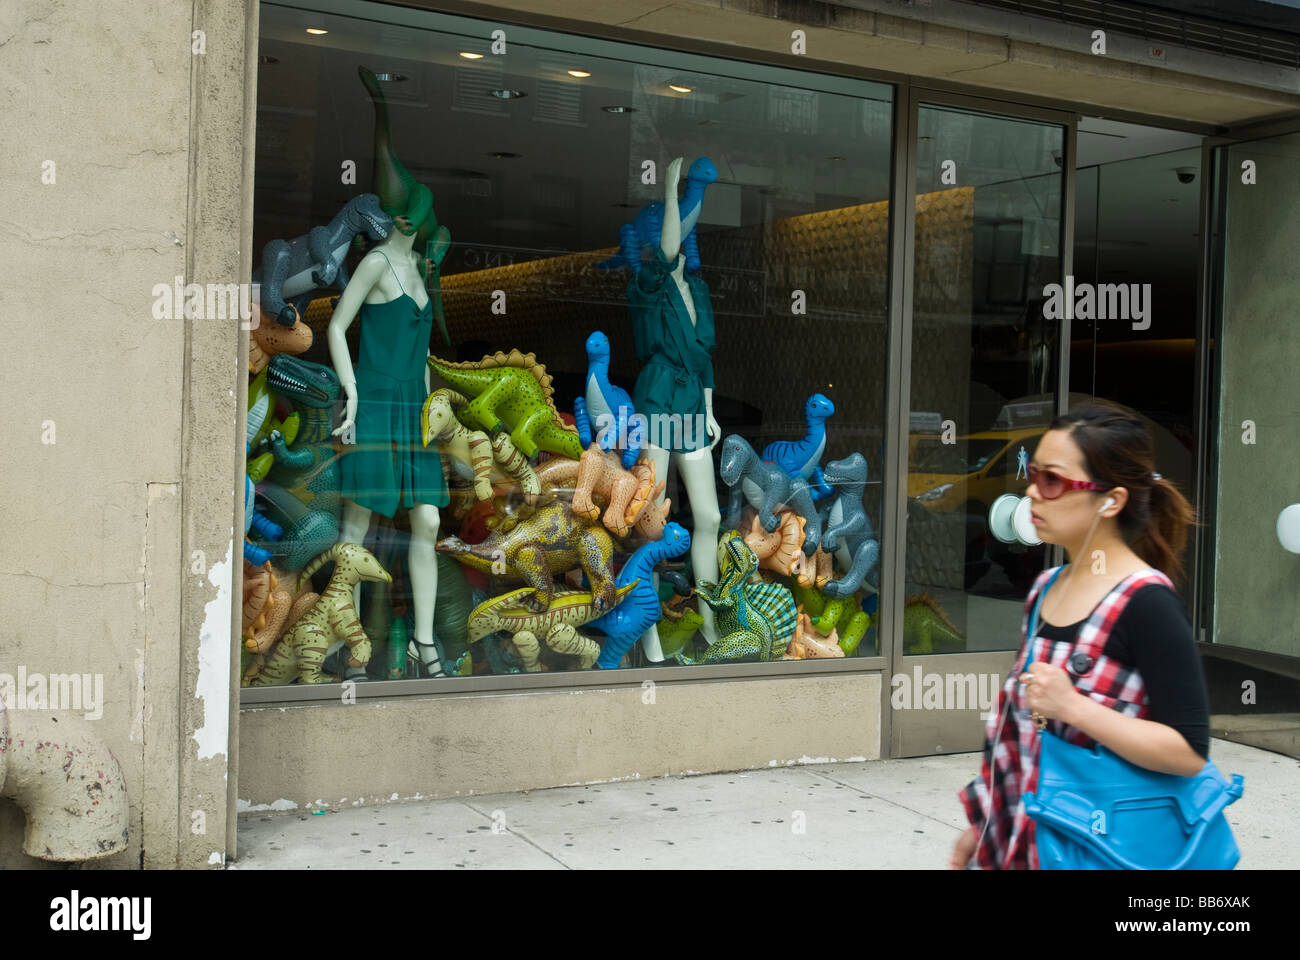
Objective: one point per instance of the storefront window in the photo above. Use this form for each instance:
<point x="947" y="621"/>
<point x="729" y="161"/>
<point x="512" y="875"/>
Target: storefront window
<point x="984" y="369"/>
<point x="604" y="381"/>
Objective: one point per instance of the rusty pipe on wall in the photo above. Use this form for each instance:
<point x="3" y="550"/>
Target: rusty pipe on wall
<point x="67" y="782"/>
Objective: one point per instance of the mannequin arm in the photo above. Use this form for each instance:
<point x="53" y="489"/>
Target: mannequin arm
<point x="670" y="235"/>
<point x="710" y="424"/>
<point x="354" y="295"/>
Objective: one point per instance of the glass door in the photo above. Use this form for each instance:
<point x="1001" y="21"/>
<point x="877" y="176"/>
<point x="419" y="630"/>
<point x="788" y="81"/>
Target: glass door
<point x="986" y="242"/>
<point x="1250" y="545"/>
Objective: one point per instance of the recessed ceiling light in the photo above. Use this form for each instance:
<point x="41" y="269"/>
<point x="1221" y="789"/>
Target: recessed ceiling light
<point x="317" y="31"/>
<point x="390" y="77"/>
<point x="679" y="88"/>
<point x="836" y="156"/>
<point x="618" y="108"/>
<point x="503" y="154"/>
<point x="579" y="73"/>
<point x="506" y="94"/>
<point x="471" y="56"/>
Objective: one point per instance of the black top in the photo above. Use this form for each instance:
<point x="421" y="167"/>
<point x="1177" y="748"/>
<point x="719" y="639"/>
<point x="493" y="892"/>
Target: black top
<point x="1154" y="634"/>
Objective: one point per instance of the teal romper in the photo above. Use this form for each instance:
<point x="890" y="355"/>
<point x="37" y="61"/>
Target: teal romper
<point x="678" y="356"/>
<point x="389" y="466"/>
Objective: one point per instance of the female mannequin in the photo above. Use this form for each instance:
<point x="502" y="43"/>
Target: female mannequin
<point x="389" y="466"/>
<point x="673" y="320"/>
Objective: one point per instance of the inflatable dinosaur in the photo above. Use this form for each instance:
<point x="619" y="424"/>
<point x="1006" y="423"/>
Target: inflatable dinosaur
<point x="549" y="542"/>
<point x="755" y="621"/>
<point x="767" y="488"/>
<point x="568" y="610"/>
<point x="402" y="197"/>
<point x="331" y="619"/>
<point x="808" y="644"/>
<point x="839" y="615"/>
<point x="302" y="489"/>
<point x="646" y="228"/>
<point x="924" y="623"/>
<point x="848" y="532"/>
<point x="605" y="415"/>
<point x="267" y="339"/>
<point x="511" y="391"/>
<point x="292" y="269"/>
<point x="598" y="476"/>
<point x="473" y="456"/>
<point x="638" y="612"/>
<point x="802" y="458"/>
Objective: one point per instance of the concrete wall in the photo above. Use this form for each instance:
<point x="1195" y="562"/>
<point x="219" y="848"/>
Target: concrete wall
<point x="334" y="754"/>
<point x="119" y="430"/>
<point x="1256" y="602"/>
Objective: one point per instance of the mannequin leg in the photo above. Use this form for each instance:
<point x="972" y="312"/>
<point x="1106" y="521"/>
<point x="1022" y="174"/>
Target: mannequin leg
<point x="354" y="527"/>
<point x="422" y="563"/>
<point x="696" y="469"/>
<point x="660" y="458"/>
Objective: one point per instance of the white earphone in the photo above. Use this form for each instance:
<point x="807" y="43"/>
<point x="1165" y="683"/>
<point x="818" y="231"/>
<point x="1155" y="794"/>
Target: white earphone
<point x="1110" y="502"/>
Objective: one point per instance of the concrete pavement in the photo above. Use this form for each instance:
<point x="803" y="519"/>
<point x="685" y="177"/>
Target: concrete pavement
<point x="889" y="814"/>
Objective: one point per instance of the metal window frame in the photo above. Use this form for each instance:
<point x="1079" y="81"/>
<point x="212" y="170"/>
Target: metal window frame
<point x="908" y="93"/>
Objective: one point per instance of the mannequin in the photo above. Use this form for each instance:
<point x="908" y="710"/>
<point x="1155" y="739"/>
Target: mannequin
<point x="674" y="340"/>
<point x="389" y="465"/>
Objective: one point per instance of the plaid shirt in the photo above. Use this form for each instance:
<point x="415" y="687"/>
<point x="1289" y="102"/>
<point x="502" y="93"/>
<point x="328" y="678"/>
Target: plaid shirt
<point x="1009" y="842"/>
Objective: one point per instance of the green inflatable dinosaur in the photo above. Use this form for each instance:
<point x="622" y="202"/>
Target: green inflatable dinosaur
<point x="401" y="196"/>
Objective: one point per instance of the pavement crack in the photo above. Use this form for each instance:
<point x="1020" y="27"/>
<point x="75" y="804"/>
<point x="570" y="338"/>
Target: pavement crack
<point x="524" y="837"/>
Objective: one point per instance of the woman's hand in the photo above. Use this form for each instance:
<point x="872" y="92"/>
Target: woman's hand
<point x="964" y="850"/>
<point x="1049" y="691"/>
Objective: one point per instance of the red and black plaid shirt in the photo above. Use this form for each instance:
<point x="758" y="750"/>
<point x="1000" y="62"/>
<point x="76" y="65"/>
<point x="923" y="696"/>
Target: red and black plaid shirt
<point x="1009" y="841"/>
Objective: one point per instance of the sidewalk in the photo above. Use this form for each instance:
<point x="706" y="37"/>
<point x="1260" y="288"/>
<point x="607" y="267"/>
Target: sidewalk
<point x="889" y="814"/>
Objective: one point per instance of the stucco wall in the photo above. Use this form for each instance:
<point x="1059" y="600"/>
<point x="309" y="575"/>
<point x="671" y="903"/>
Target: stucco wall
<point x="333" y="753"/>
<point x="119" y="428"/>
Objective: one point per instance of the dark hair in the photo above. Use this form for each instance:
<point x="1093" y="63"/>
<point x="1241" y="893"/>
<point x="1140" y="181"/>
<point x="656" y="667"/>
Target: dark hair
<point x="1117" y="450"/>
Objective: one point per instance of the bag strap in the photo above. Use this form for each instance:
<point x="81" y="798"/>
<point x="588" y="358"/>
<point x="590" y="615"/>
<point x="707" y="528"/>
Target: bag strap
<point x="1033" y="619"/>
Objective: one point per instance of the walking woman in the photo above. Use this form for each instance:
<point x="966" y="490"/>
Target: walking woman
<point x="1114" y="661"/>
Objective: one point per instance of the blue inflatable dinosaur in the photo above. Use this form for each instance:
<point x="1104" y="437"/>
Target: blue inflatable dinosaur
<point x="802" y="458"/>
<point x="640" y="609"/>
<point x="607" y="415"/>
<point x="846" y="530"/>
<point x="647" y="226"/>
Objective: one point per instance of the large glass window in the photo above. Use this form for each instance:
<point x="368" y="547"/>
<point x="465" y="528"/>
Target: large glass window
<point x="534" y="169"/>
<point x="984" y="362"/>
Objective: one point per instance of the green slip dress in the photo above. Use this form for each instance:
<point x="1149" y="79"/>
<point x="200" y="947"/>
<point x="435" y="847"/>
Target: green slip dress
<point x="389" y="466"/>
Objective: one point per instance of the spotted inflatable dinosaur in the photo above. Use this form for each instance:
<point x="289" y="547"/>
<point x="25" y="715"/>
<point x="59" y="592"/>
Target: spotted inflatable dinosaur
<point x="511" y="391"/>
<point x="331" y="619"/>
<point x="755" y="621"/>
<point x="551" y="541"/>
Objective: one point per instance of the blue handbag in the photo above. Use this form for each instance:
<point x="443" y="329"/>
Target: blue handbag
<point x="1094" y="810"/>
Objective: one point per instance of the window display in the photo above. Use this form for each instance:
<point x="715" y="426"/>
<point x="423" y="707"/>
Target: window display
<point x="535" y="486"/>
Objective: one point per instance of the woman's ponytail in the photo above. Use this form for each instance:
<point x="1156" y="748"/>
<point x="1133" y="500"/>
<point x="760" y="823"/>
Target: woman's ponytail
<point x="1162" y="537"/>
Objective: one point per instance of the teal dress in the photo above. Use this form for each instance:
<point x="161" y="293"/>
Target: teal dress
<point x="389" y="466"/>
<point x="678" y="356"/>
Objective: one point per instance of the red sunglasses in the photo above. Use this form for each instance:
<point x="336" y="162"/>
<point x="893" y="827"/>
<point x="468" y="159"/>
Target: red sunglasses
<point x="1051" y="484"/>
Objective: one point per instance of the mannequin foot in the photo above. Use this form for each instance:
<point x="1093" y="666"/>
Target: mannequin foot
<point x="432" y="666"/>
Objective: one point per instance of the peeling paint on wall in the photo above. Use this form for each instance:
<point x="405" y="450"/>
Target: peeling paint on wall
<point x="244" y="806"/>
<point x="212" y="688"/>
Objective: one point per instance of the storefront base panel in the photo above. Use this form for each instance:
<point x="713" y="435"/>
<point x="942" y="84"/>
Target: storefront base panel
<point x="412" y="748"/>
